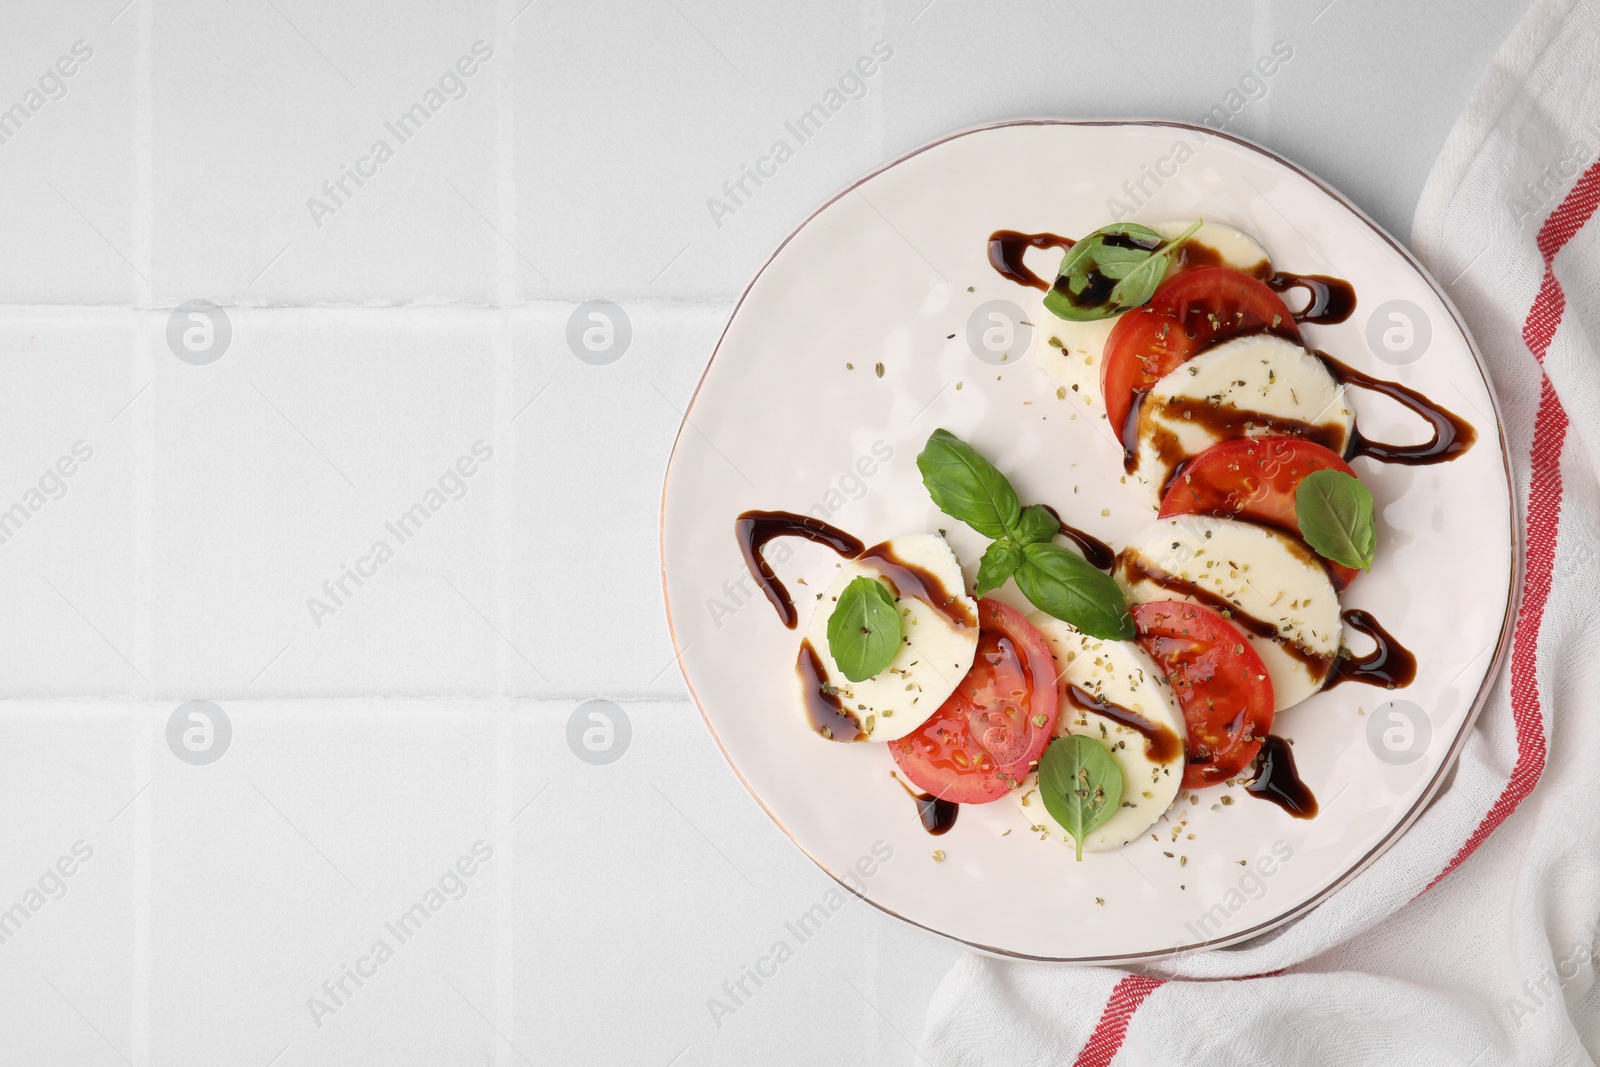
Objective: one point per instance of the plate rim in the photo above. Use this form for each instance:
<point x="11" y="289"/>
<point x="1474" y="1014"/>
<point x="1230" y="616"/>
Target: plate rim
<point x="1446" y="766"/>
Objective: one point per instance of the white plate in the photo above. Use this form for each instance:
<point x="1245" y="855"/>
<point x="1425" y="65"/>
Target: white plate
<point x="881" y="274"/>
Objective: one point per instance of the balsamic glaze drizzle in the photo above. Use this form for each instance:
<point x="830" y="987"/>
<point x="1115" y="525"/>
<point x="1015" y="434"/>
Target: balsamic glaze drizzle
<point x="1008" y="247"/>
<point x="1329" y="300"/>
<point x="1452" y="435"/>
<point x="824" y="711"/>
<point x="1277" y="780"/>
<point x="1099" y="554"/>
<point x="909" y="580"/>
<point x="755" y="528"/>
<point x="1390" y="664"/>
<point x="937" y="815"/>
<point x="1160" y="743"/>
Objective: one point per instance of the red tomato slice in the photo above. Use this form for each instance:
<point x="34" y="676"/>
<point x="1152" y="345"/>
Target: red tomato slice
<point x="1220" y="682"/>
<point x="1191" y="310"/>
<point x="992" y="730"/>
<point x="1254" y="478"/>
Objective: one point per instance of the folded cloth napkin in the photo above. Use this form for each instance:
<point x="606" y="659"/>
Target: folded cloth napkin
<point x="1472" y="940"/>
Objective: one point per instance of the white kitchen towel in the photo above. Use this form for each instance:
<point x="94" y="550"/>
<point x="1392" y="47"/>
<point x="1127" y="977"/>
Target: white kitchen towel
<point x="1472" y="940"/>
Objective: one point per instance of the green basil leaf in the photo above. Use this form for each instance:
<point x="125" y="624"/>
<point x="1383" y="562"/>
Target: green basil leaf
<point x="1037" y="523"/>
<point x="1058" y="304"/>
<point x="1119" y="269"/>
<point x="1080" y="784"/>
<point x="1115" y="261"/>
<point x="864" y="629"/>
<point x="999" y="563"/>
<point x="1140" y="284"/>
<point x="1108" y="255"/>
<point x="966" y="486"/>
<point x="1335" y="513"/>
<point x="1061" y="583"/>
<point x="1091" y="256"/>
<point x="1085" y="252"/>
<point x="1134" y="273"/>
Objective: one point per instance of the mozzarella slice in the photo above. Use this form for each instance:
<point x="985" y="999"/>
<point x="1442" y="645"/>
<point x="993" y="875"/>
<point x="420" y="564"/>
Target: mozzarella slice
<point x="1268" y="582"/>
<point x="1228" y="246"/>
<point x="1071" y="353"/>
<point x="1246" y="387"/>
<point x="1116" y="674"/>
<point x="936" y="650"/>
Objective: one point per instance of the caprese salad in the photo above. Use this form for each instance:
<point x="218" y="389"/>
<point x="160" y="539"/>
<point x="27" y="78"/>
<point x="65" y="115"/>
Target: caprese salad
<point x="1160" y="667"/>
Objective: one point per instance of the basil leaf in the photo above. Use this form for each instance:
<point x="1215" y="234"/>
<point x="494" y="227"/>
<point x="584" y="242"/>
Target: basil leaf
<point x="1084" y="254"/>
<point x="1062" y="307"/>
<point x="864" y="629"/>
<point x="1335" y="514"/>
<point x="1080" y="784"/>
<point x="1115" y="261"/>
<point x="999" y="563"/>
<point x="1119" y="269"/>
<point x="1140" y="284"/>
<point x="1098" y="280"/>
<point x="1090" y="266"/>
<point x="1037" y="523"/>
<point x="966" y="486"/>
<point x="1062" y="583"/>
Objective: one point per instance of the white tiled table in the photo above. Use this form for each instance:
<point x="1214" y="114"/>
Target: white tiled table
<point x="376" y="340"/>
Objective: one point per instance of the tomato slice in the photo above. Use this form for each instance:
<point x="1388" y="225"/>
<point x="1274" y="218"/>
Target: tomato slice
<point x="992" y="730"/>
<point x="1254" y="478"/>
<point x="1193" y="309"/>
<point x="1219" y="681"/>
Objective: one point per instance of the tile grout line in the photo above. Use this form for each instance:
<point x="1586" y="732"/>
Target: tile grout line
<point x="504" y="1006"/>
<point x="143" y="765"/>
<point x="504" y="364"/>
<point x="142" y="433"/>
<point x="142" y="225"/>
<point x="505" y="511"/>
<point x="505" y="161"/>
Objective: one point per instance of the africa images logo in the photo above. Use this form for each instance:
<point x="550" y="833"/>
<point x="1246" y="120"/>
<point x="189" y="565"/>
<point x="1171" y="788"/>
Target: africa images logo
<point x="453" y="883"/>
<point x="52" y="86"/>
<point x="341" y="589"/>
<point x="851" y="85"/>
<point x="452" y="85"/>
<point x="740" y="989"/>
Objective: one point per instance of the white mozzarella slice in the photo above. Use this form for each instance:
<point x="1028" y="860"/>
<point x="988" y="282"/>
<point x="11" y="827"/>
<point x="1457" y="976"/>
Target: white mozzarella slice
<point x="1071" y="353"/>
<point x="1246" y="387"/>
<point x="1231" y="247"/>
<point x="936" y="650"/>
<point x="1115" y="673"/>
<point x="1268" y="581"/>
